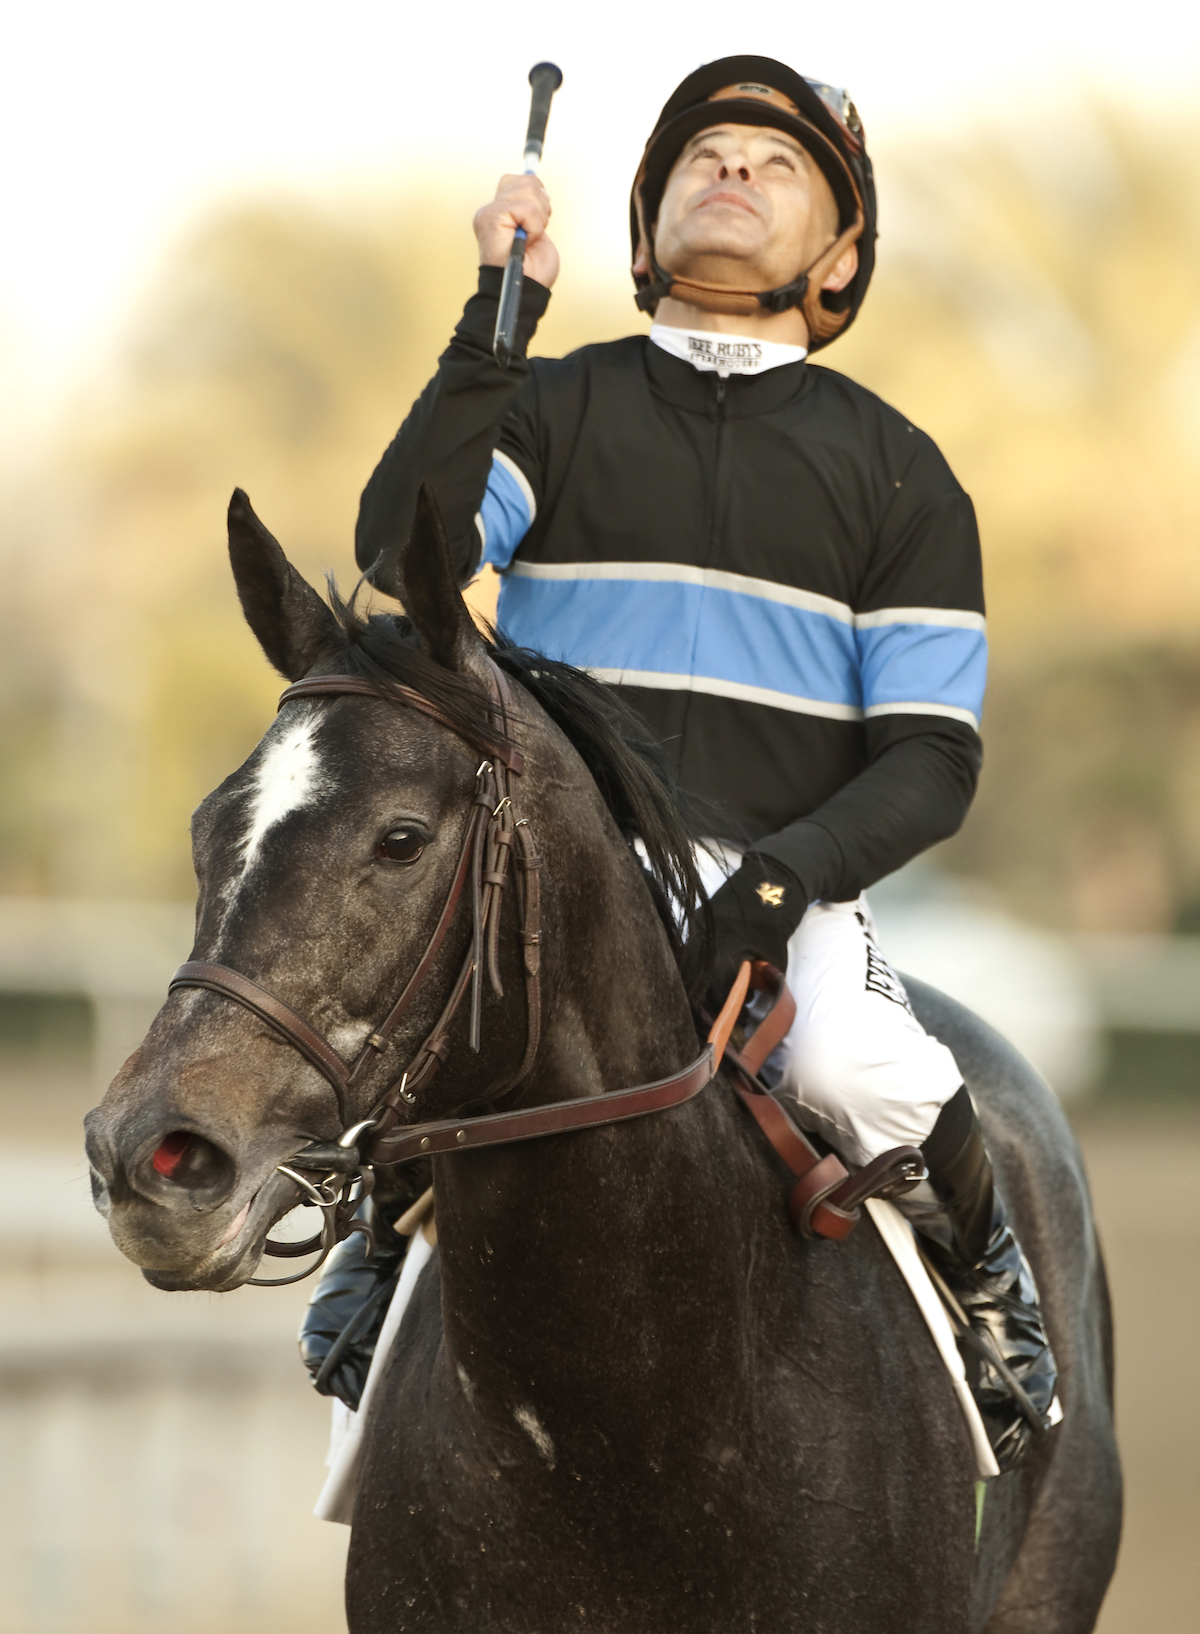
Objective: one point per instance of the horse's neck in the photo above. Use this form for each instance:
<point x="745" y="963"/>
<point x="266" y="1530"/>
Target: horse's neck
<point x="559" y="1255"/>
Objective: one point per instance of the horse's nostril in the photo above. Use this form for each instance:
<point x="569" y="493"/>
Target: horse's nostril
<point x="169" y="1155"/>
<point x="193" y="1162"/>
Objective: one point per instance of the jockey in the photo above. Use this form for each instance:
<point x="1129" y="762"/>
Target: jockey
<point x="781" y="574"/>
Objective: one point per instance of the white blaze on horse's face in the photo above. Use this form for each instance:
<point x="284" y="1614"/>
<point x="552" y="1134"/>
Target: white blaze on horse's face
<point x="287" y="777"/>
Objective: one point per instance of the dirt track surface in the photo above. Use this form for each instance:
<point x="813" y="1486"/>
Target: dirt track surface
<point x="1145" y="1173"/>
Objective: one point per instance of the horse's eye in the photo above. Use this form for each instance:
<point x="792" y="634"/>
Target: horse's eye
<point x="400" y="845"/>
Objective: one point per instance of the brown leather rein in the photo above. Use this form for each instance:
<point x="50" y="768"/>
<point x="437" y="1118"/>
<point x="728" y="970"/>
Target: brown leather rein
<point x="822" y="1203"/>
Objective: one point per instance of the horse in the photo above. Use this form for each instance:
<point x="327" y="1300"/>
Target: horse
<point x="627" y="1394"/>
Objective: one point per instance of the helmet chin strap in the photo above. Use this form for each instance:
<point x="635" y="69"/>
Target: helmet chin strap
<point x="803" y="292"/>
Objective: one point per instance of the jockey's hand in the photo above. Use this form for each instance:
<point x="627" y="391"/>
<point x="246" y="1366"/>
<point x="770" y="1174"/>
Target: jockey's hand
<point x="521" y="201"/>
<point x="755" y="913"/>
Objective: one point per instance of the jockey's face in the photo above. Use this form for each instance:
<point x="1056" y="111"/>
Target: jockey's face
<point x="747" y="206"/>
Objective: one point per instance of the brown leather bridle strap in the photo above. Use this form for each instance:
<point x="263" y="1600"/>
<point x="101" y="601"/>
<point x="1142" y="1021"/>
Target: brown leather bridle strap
<point x="530" y="864"/>
<point x="718" y="1033"/>
<point x="817" y="1176"/>
<point x="486" y="844"/>
<point x="382" y="1034"/>
<point x="558" y="1118"/>
<point x="498" y="747"/>
<point x="290" y="1026"/>
<point x="776" y="1024"/>
<point x="492" y="829"/>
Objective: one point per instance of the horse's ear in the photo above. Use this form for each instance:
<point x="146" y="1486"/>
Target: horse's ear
<point x="293" y="625"/>
<point x="431" y="597"/>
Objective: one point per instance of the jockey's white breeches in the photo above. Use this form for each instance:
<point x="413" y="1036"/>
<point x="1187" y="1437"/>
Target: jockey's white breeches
<point x="864" y="1070"/>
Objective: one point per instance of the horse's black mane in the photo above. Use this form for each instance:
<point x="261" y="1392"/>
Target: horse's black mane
<point x="626" y="763"/>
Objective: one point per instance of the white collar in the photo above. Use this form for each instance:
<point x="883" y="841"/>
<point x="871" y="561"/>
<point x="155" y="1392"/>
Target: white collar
<point x="726" y="354"/>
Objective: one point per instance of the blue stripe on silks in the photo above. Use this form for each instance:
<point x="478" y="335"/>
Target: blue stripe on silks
<point x="506" y="518"/>
<point x="684" y="629"/>
<point x="923" y="663"/>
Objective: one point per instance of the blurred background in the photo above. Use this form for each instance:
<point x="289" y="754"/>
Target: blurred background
<point x="235" y="239"/>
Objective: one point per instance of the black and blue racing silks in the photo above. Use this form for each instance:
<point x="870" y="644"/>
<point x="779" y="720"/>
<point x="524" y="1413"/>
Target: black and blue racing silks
<point x="779" y="571"/>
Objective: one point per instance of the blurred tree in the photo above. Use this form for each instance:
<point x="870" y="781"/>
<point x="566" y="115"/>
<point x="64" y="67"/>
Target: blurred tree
<point x="1037" y="310"/>
<point x="279" y="352"/>
<point x="1087" y="812"/>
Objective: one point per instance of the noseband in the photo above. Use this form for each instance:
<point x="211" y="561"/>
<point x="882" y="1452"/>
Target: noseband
<point x="494" y="831"/>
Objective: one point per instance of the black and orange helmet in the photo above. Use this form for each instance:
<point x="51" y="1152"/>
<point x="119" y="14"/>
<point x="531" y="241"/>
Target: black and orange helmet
<point x="761" y="91"/>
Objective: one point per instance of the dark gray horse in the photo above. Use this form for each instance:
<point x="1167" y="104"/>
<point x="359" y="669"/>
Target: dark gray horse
<point x="626" y="1397"/>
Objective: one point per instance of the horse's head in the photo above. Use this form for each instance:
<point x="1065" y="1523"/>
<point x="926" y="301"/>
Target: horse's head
<point x="325" y="864"/>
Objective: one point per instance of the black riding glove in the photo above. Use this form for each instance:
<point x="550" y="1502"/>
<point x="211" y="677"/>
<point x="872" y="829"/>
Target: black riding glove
<point x="754" y="914"/>
<point x="347" y="1309"/>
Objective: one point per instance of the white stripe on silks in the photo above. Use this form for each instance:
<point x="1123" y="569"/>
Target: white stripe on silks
<point x="726" y="689"/>
<point x="949" y="618"/>
<point x="898" y="1237"/>
<point x="521" y="480"/>
<point x="481" y="530"/>
<point x="948" y="710"/>
<point x="711" y="578"/>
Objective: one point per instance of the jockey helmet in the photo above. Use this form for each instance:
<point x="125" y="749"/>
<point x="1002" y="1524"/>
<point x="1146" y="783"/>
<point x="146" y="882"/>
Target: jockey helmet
<point x="761" y="91"/>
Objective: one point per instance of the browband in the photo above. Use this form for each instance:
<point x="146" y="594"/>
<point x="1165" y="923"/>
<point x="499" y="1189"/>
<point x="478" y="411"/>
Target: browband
<point x="496" y="746"/>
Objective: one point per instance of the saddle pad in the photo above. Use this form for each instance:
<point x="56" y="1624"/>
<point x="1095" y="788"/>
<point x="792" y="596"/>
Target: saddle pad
<point x="336" y="1502"/>
<point x="898" y="1235"/>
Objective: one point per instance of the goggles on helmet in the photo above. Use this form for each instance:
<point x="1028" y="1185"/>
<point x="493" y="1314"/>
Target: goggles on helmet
<point x="843" y="110"/>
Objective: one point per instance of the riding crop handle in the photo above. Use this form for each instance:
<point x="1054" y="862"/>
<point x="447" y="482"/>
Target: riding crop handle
<point x="545" y="79"/>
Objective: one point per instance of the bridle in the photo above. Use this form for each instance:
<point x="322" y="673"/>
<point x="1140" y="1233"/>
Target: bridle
<point x="823" y="1202"/>
<point x="494" y="831"/>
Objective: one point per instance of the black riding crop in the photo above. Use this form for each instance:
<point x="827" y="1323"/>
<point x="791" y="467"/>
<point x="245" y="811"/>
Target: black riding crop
<point x="545" y="79"/>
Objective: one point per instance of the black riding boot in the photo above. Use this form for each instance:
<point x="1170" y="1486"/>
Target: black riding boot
<point x="968" y="1239"/>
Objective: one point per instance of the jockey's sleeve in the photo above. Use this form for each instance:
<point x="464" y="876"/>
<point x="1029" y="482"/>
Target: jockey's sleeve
<point x="916" y="791"/>
<point x="920" y="637"/>
<point x="450" y="438"/>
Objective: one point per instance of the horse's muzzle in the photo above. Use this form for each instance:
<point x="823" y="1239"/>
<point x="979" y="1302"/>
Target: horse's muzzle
<point x="180" y="1205"/>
